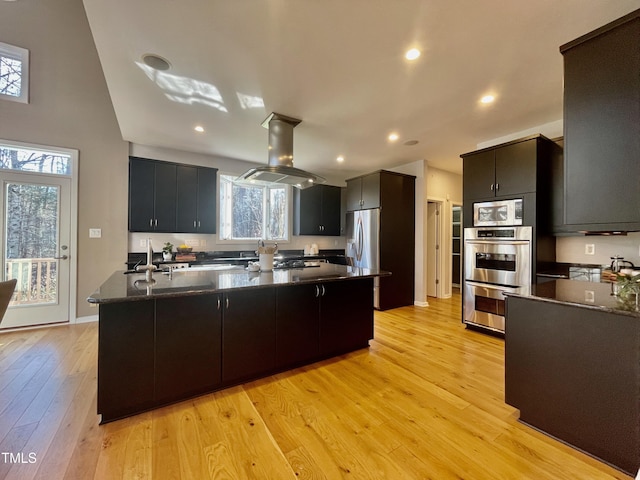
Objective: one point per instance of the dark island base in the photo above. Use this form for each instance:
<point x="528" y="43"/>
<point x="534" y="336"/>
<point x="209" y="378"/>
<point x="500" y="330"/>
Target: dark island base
<point x="574" y="374"/>
<point x="159" y="351"/>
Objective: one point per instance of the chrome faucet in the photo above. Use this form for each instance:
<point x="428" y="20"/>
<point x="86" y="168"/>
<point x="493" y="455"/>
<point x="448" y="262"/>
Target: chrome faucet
<point x="149" y="268"/>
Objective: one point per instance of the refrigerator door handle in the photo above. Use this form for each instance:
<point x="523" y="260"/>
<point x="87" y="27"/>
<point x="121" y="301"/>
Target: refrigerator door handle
<point x="359" y="240"/>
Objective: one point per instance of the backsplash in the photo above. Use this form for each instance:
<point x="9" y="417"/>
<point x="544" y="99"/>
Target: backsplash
<point x="572" y="249"/>
<point x="210" y="243"/>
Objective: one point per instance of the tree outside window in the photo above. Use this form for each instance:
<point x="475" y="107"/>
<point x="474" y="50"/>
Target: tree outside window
<point x="252" y="212"/>
<point x="14" y="73"/>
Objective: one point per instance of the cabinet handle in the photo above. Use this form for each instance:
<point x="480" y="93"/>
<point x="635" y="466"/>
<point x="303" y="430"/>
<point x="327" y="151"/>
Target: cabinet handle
<point x="155" y="223"/>
<point x="151" y="222"/>
<point x="317" y="291"/>
<point x="198" y="223"/>
<point x="194" y="224"/>
<point x="218" y="303"/>
<point x="227" y="303"/>
<point x="323" y="290"/>
<point x="492" y="187"/>
<point x="497" y="186"/>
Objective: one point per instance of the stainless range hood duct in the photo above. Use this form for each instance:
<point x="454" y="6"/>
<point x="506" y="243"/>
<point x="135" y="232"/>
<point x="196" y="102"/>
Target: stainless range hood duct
<point x="280" y="168"/>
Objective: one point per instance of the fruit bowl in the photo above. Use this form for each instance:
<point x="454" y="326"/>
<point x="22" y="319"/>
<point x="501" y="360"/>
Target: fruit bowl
<point x="184" y="249"/>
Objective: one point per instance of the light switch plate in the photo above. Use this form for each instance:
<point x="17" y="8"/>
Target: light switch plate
<point x="590" y="249"/>
<point x="95" y="233"/>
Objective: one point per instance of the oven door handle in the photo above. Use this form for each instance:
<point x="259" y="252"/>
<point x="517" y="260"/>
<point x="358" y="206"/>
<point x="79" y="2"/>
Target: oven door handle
<point x="490" y="286"/>
<point x="497" y="242"/>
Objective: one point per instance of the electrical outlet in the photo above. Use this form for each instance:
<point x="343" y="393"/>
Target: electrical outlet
<point x="95" y="233"/>
<point x="203" y="243"/>
<point x="589" y="296"/>
<point x="143" y="242"/>
<point x="589" y="249"/>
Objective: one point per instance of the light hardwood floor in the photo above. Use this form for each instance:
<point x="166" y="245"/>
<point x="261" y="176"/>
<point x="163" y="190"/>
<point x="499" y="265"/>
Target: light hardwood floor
<point x="425" y="401"/>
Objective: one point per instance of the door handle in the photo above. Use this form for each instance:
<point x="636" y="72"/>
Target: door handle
<point x="63" y="257"/>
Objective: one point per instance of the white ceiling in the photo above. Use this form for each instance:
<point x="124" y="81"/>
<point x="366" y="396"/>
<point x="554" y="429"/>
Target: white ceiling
<point x="338" y="65"/>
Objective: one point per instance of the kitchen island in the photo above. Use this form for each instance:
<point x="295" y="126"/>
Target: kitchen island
<point x="572" y="367"/>
<point x="194" y="332"/>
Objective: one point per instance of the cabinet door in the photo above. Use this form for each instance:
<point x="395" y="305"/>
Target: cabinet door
<point x="125" y="358"/>
<point x="371" y="191"/>
<point x="516" y="168"/>
<point x="186" y="199"/>
<point x="330" y="210"/>
<point x="188" y="346"/>
<point x="248" y="334"/>
<point x="207" y="196"/>
<point x="346" y="316"/>
<point x="141" y="194"/>
<point x="602" y="130"/>
<point x="165" y="197"/>
<point x="307" y="208"/>
<point x="354" y="194"/>
<point x="478" y="175"/>
<point x="297" y="324"/>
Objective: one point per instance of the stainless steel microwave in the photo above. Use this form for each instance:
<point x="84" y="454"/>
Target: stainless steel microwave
<point x="499" y="213"/>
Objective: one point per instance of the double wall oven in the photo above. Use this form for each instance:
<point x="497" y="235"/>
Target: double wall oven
<point x="497" y="259"/>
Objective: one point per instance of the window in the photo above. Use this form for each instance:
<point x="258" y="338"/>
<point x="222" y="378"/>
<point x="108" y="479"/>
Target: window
<point x="253" y="212"/>
<point x="29" y="159"/>
<point x="14" y="73"/>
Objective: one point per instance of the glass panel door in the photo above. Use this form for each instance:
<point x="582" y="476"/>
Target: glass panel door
<point x="35" y="248"/>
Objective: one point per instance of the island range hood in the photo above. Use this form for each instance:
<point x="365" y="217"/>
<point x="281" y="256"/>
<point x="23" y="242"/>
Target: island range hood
<point x="280" y="167"/>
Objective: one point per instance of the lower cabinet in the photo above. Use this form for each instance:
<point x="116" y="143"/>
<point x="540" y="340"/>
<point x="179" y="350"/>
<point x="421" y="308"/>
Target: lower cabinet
<point x="188" y="346"/>
<point x="125" y="358"/>
<point x="248" y="334"/>
<point x="297" y="324"/>
<point x="153" y="352"/>
<point x="346" y="316"/>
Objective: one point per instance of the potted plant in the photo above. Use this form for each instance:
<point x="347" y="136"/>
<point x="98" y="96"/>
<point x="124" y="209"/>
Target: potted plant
<point x="167" y="252"/>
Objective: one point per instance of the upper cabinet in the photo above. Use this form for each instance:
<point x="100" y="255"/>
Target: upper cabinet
<point x="501" y="171"/>
<point x="171" y="198"/>
<point x="363" y="192"/>
<point x="602" y="128"/>
<point x="316" y="210"/>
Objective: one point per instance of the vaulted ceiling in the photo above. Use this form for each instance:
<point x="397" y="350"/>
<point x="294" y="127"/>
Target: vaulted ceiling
<point x="339" y="66"/>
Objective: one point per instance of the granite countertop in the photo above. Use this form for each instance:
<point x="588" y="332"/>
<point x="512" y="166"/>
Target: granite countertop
<point x="121" y="288"/>
<point x="593" y="295"/>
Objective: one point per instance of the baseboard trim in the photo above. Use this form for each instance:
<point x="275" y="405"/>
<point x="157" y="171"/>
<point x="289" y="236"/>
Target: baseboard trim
<point x="87" y="319"/>
<point x="421" y="304"/>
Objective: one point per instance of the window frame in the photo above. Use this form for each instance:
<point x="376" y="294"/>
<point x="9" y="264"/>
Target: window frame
<point x="21" y="54"/>
<point x="265" y="207"/>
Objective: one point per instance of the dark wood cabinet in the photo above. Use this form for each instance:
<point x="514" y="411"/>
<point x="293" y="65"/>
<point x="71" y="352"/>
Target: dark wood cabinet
<point x="188" y="334"/>
<point x="602" y="128"/>
<point x="345" y="322"/>
<point x="125" y="358"/>
<point x="363" y="192"/>
<point x="248" y="334"/>
<point x="506" y="170"/>
<point x="169" y="197"/>
<point x="297" y="324"/>
<point x="574" y="373"/>
<point x="196" y="199"/>
<point x="322" y="319"/>
<point x="316" y="210"/>
<point x="157" y="351"/>
<point x="152" y="196"/>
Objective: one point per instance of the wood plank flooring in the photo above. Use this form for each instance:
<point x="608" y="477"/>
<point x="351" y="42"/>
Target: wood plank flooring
<point x="425" y="401"/>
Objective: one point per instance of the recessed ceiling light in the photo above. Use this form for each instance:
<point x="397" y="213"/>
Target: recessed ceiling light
<point x="156" y="61"/>
<point x="340" y="159"/>
<point x="412" y="54"/>
<point x="199" y="129"/>
<point x="487" y="99"/>
<point x="409" y="143"/>
<point x="393" y="137"/>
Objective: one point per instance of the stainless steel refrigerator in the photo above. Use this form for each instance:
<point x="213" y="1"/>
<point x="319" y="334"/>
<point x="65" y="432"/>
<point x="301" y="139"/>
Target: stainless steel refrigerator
<point x="363" y="244"/>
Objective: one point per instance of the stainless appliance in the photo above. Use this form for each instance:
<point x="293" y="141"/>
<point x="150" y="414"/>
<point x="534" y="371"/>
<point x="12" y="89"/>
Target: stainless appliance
<point x="363" y="244"/>
<point x="497" y="213"/>
<point x="496" y="260"/>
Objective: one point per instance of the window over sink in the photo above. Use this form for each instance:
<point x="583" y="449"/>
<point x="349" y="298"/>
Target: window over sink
<point x="253" y="212"/>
